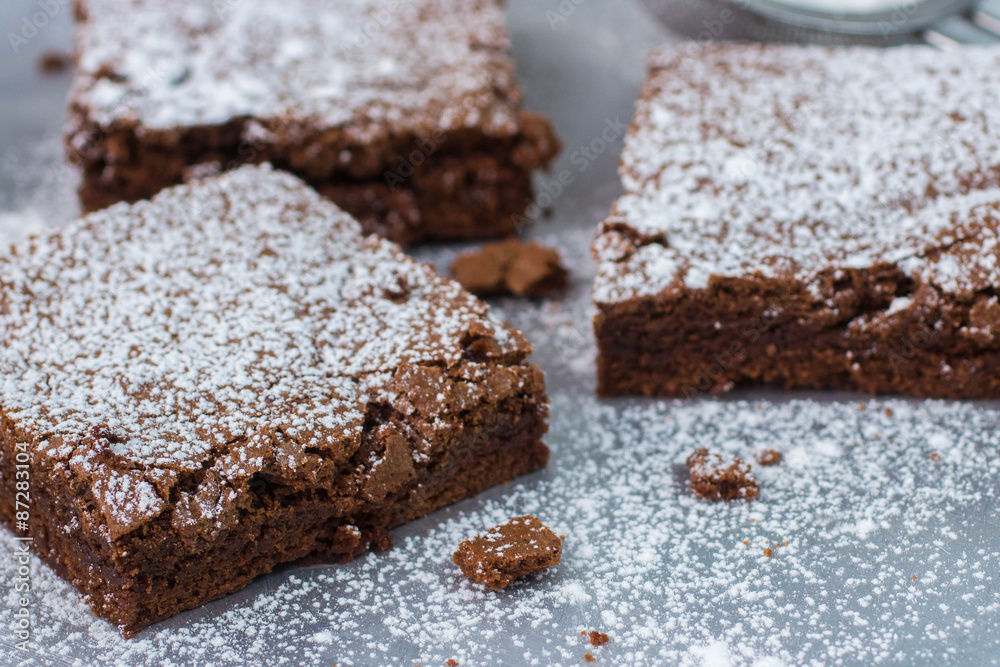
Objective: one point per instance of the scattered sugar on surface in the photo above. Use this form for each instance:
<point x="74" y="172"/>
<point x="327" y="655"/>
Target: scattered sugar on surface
<point x="17" y="224"/>
<point x="668" y="575"/>
<point x="39" y="189"/>
<point x="862" y="514"/>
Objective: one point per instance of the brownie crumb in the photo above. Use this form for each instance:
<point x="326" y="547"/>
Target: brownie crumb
<point x="589" y="658"/>
<point x="719" y="477"/>
<point x="598" y="638"/>
<point x="510" y="267"/>
<point x="769" y="457"/>
<point x="497" y="557"/>
<point x="54" y="62"/>
<point x="451" y="662"/>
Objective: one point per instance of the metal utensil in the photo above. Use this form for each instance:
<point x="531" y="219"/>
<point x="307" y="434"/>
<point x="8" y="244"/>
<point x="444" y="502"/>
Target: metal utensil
<point x="942" y="23"/>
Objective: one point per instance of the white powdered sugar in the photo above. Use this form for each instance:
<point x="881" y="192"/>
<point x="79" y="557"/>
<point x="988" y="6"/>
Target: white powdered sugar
<point x="167" y="330"/>
<point x="665" y="574"/>
<point x="357" y="65"/>
<point x="788" y="161"/>
<point x="890" y="552"/>
<point x="865" y="500"/>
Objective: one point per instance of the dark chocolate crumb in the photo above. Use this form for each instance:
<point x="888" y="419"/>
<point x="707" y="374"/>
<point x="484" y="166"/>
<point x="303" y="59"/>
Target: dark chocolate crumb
<point x="510" y="267"/>
<point x="598" y="638"/>
<point x="497" y="557"/>
<point x="718" y="477"/>
<point x="54" y="62"/>
<point x="769" y="457"/>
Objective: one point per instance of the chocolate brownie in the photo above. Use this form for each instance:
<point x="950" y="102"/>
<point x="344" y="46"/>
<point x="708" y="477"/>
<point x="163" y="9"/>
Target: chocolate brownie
<point x="407" y="114"/>
<point x="807" y="217"/>
<point x="503" y="553"/>
<point x="721" y="477"/>
<point x="232" y="376"/>
<point x="510" y="267"/>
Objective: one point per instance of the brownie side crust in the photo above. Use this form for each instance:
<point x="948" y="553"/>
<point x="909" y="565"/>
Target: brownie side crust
<point x="419" y="135"/>
<point x="154" y="573"/>
<point x="774" y="333"/>
<point x="243" y="380"/>
<point x="752" y="248"/>
<point x="471" y="187"/>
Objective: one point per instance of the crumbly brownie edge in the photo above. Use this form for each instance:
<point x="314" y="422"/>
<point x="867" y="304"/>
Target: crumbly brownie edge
<point x="767" y="331"/>
<point x="149" y="575"/>
<point x="458" y="185"/>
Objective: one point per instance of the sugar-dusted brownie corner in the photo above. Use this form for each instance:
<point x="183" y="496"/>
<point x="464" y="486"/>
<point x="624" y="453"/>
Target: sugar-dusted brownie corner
<point x="407" y="114"/>
<point x="232" y="376"/>
<point x="807" y="217"/>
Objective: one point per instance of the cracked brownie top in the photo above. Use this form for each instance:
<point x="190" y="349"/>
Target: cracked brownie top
<point x="792" y="162"/>
<point x="358" y="65"/>
<point x="171" y="335"/>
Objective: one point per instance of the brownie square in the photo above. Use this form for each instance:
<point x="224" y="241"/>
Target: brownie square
<point x="407" y="114"/>
<point x="807" y="217"/>
<point x="232" y="376"/>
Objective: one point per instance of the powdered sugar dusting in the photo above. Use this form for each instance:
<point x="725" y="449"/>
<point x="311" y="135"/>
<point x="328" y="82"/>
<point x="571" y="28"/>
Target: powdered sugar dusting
<point x="796" y="160"/>
<point x="879" y="536"/>
<point x="353" y="64"/>
<point x="170" y="329"/>
<point x="666" y="575"/>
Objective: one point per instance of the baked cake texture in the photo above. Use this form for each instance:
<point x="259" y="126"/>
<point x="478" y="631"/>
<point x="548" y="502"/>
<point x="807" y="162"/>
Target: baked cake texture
<point x="518" y="547"/>
<point x="232" y="376"/>
<point x="718" y="476"/>
<point x="511" y="267"/>
<point x="407" y="114"/>
<point x="808" y="217"/>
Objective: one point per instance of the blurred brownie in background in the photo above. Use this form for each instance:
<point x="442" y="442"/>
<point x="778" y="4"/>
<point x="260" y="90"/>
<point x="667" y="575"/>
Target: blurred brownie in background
<point x="407" y="114"/>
